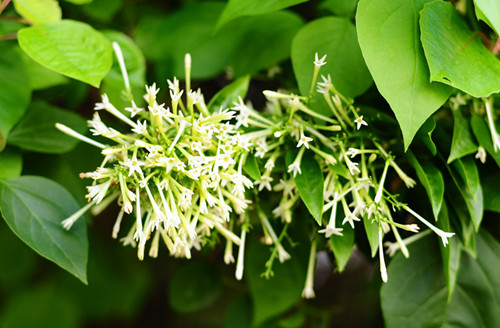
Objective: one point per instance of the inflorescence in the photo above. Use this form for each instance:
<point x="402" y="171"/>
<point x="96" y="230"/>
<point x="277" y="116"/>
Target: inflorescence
<point x="178" y="171"/>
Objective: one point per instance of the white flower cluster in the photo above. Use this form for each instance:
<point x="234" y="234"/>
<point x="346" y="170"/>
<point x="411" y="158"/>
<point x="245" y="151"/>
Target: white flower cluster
<point x="180" y="174"/>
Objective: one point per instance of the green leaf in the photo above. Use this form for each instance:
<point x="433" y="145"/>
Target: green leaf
<point x="424" y="134"/>
<point x="15" y="95"/>
<point x="39" y="11"/>
<point x="135" y="63"/>
<point x="335" y="37"/>
<point x="229" y="94"/>
<point x="390" y="41"/>
<point x="37" y="132"/>
<point x="431" y="178"/>
<point x="450" y="253"/>
<point x="41" y="77"/>
<point x="415" y="295"/>
<point x="371" y="229"/>
<point x="491" y="10"/>
<point x="69" y="47"/>
<point x="265" y="42"/>
<point x="240" y="8"/>
<point x="455" y="54"/>
<point x="340" y="7"/>
<point x="309" y="183"/>
<point x="34" y="208"/>
<point x="194" y="286"/>
<point x="491" y="192"/>
<point x="343" y="246"/>
<point x="251" y="167"/>
<point x="281" y="292"/>
<point x="463" y="142"/>
<point x="466" y="177"/>
<point x="11" y="163"/>
<point x="483" y="136"/>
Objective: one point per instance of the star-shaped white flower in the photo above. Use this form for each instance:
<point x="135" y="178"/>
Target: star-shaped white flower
<point x="359" y="121"/>
<point x="318" y="62"/>
<point x="303" y="140"/>
<point x="133" y="165"/>
<point x="294" y="168"/>
<point x="331" y="230"/>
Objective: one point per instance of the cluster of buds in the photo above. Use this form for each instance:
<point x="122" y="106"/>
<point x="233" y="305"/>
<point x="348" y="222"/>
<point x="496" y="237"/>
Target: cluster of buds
<point x="178" y="171"/>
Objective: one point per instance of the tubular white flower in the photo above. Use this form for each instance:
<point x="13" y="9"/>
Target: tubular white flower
<point x="318" y="62"/>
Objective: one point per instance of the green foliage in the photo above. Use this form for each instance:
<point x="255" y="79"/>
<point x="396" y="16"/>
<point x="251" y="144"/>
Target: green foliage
<point x="33" y="207"/>
<point x="191" y="291"/>
<point x="390" y="42"/>
<point x="230" y="94"/>
<point x="240" y="8"/>
<point x="271" y="297"/>
<point x="39" y="11"/>
<point x="86" y="53"/>
<point x="37" y="129"/>
<point x="431" y="179"/>
<point x="310" y="184"/>
<point x="15" y="95"/>
<point x="12" y="163"/>
<point x="336" y="38"/>
<point x="53" y="54"/>
<point x="454" y="53"/>
<point x="424" y="303"/>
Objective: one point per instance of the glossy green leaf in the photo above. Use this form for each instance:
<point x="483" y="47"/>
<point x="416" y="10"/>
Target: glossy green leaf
<point x="281" y="292"/>
<point x="69" y="47"/>
<point x="343" y="246"/>
<point x="483" y="136"/>
<point x="340" y="7"/>
<point x="455" y="54"/>
<point x="230" y="94"/>
<point x="266" y="41"/>
<point x="113" y="85"/>
<point x="431" y="179"/>
<point x="34" y="208"/>
<point x="415" y="295"/>
<point x="491" y="10"/>
<point x="389" y="37"/>
<point x="194" y="286"/>
<point x="450" y="253"/>
<point x="16" y="94"/>
<point x="251" y="167"/>
<point x="37" y="132"/>
<point x="466" y="177"/>
<point x="240" y="8"/>
<point x="39" y="11"/>
<point x="11" y="163"/>
<point x="309" y="183"/>
<point x="463" y="142"/>
<point x="336" y="38"/>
